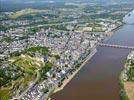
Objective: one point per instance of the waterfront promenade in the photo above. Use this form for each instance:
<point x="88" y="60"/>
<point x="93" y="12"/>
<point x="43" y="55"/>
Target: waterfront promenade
<point x="66" y="81"/>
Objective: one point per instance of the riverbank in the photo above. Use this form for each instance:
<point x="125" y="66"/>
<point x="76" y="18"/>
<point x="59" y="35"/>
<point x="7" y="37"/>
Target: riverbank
<point x="123" y="94"/>
<point x="129" y="88"/>
<point x="66" y="81"/>
<point x="110" y="33"/>
<point x="127" y="79"/>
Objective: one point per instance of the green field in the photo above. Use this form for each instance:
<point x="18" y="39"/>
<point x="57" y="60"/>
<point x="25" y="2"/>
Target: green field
<point x="27" y="63"/>
<point x="25" y="12"/>
<point x="28" y="67"/>
<point x="38" y="49"/>
<point x="4" y="93"/>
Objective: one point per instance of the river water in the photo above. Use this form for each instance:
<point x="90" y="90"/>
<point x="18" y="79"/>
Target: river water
<point x="99" y="78"/>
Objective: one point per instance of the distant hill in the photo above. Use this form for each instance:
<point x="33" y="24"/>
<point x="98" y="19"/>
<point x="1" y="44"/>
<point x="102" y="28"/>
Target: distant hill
<point x="25" y="12"/>
<point x="15" y="5"/>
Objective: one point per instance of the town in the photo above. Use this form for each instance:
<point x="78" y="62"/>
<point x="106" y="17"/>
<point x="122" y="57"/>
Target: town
<point x="40" y="49"/>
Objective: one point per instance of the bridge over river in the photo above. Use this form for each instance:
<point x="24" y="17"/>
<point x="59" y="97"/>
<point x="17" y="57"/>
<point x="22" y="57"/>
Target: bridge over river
<point x="130" y="24"/>
<point x="116" y="46"/>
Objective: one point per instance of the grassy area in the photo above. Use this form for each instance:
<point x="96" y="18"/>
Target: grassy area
<point x="38" y="49"/>
<point x="24" y="12"/>
<point x="27" y="63"/>
<point x="123" y="94"/>
<point x="28" y="66"/>
<point x="19" y="84"/>
<point x="6" y="39"/>
<point x="27" y="79"/>
<point x="129" y="88"/>
<point x="28" y="69"/>
<point x="131" y="74"/>
<point x="4" y="93"/>
<point x="45" y="69"/>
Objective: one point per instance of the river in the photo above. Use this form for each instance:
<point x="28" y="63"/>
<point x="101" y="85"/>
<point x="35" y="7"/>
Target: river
<point x="99" y="78"/>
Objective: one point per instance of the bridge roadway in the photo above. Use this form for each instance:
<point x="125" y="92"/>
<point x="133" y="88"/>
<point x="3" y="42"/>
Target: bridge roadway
<point x="116" y="46"/>
<point x="130" y="24"/>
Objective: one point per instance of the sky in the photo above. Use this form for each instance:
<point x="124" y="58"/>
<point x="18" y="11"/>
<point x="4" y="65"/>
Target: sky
<point x="33" y="1"/>
<point x="65" y="0"/>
